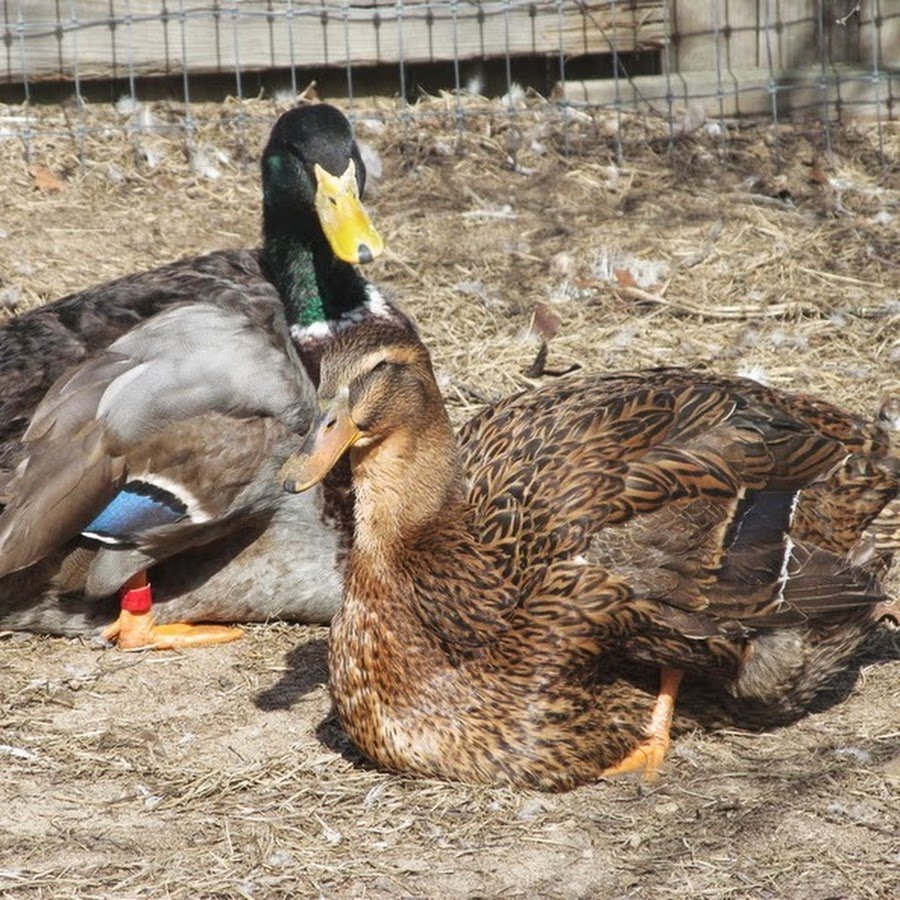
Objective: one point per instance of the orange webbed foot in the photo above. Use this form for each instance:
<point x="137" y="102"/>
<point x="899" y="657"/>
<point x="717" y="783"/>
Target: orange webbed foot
<point x="649" y="755"/>
<point x="139" y="631"/>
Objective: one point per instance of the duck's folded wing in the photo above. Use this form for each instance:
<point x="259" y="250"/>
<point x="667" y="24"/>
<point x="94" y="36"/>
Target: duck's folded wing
<point x="186" y="403"/>
<point x="702" y="495"/>
<point x="37" y="347"/>
<point x="714" y="547"/>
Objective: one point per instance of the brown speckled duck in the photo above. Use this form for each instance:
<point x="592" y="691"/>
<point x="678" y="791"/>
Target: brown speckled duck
<point x="499" y="588"/>
<point x="143" y="422"/>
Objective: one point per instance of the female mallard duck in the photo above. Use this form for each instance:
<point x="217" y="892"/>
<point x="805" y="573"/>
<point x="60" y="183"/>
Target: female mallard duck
<point x="498" y="593"/>
<point x="145" y="420"/>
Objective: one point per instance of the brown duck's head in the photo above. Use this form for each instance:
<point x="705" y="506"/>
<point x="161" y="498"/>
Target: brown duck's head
<point x="375" y="382"/>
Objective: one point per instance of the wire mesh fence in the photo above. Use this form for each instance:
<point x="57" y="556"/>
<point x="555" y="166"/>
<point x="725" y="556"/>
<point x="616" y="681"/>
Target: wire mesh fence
<point x="680" y="64"/>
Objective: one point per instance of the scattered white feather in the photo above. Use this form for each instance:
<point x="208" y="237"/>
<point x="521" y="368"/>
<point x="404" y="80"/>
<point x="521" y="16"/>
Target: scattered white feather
<point x="624" y="337"/>
<point x="515" y="96"/>
<point x="503" y="212"/>
<point x="714" y="130"/>
<point x="781" y="339"/>
<point x="127" y="105"/>
<point x="373" y="126"/>
<point x="755" y="372"/>
<point x="374" y="795"/>
<point x="371" y="159"/>
<point x="611" y="176"/>
<point x="17" y="752"/>
<point x="152" y="155"/>
<point x="145" y="118"/>
<point x="859" y="372"/>
<point x="563" y="292"/>
<point x="684" y="751"/>
<point x="10" y="297"/>
<point x="645" y="272"/>
<point x="205" y="162"/>
<point x="857" y="754"/>
<point x="562" y="264"/>
<point x="693" y="118"/>
<point x="883" y="217"/>
<point x="331" y="835"/>
<point x="475" y="84"/>
<point x="285" y="97"/>
<point x="577" y="115"/>
<point x="522" y="170"/>
<point x="150" y="799"/>
<point x="859" y="813"/>
<point x="114" y="174"/>
<point x="532" y="808"/>
<point x="442" y="148"/>
<point x="846" y="183"/>
<point x="474" y="289"/>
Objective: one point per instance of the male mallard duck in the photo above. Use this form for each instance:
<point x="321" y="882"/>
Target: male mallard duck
<point x="145" y="420"/>
<point x="497" y="591"/>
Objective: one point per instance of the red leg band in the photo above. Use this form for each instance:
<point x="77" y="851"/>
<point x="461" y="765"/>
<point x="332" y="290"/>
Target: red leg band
<point x="136" y="600"/>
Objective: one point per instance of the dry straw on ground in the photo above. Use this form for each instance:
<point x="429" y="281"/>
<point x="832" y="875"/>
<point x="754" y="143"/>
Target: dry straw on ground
<point x="217" y="773"/>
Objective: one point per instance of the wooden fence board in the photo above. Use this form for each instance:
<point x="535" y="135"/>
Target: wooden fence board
<point x="112" y="38"/>
<point x="788" y="34"/>
<point x="848" y="93"/>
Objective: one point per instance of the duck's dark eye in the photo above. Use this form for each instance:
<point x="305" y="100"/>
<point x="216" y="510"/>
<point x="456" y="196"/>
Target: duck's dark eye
<point x="333" y="201"/>
<point x="380" y="366"/>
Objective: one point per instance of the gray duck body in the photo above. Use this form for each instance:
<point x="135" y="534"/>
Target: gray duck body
<point x="284" y="560"/>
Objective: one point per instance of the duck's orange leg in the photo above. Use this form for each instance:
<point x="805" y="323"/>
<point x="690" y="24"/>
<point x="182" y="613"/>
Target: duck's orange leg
<point x="135" y="629"/>
<point x="650" y="753"/>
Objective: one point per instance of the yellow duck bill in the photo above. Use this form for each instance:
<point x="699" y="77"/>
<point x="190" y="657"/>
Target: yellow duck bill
<point x="331" y="435"/>
<point x="346" y="224"/>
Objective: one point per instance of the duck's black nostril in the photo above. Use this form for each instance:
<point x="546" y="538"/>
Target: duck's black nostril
<point x="364" y="253"/>
<point x="290" y="485"/>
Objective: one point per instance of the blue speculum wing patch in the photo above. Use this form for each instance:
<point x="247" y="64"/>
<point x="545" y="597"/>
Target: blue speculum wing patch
<point x="136" y="508"/>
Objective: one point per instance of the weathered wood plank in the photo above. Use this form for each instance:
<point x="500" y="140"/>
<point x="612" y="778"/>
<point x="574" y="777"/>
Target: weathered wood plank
<point x="714" y="34"/>
<point x="787" y="34"/>
<point x="849" y="93"/>
<point x="53" y="40"/>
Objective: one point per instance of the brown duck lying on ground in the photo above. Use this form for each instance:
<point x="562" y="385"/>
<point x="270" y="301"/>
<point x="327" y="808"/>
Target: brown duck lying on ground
<point x="672" y="518"/>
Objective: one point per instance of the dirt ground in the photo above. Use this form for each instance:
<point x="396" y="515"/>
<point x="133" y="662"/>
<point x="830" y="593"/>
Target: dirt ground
<point x="212" y="773"/>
